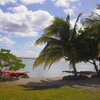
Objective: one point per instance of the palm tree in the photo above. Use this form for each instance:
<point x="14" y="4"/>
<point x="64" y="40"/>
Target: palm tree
<point x="92" y="32"/>
<point x="90" y="42"/>
<point x="60" y="43"/>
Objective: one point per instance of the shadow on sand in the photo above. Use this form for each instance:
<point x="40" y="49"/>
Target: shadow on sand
<point x="49" y="83"/>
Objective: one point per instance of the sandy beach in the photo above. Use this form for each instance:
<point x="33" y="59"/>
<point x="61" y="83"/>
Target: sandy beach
<point x="54" y="81"/>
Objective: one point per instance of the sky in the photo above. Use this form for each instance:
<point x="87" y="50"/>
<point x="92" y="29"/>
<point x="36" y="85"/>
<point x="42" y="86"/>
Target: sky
<point x="22" y="21"/>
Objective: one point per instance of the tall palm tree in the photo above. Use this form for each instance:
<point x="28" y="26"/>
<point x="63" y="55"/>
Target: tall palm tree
<point x="60" y="40"/>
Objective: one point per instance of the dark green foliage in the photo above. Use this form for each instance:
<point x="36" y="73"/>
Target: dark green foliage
<point x="91" y="33"/>
<point x="9" y="61"/>
<point x="90" y="44"/>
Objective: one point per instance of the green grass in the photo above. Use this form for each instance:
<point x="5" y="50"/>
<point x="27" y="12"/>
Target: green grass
<point x="48" y="93"/>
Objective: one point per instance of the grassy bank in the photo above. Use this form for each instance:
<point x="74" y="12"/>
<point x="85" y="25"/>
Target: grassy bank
<point x="48" y="93"/>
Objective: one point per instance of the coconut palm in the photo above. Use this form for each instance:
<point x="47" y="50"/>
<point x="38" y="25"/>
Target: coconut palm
<point x="60" y="40"/>
<point x="92" y="32"/>
<point x="90" y="42"/>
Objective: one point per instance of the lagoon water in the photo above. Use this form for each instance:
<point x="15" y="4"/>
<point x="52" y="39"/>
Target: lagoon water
<point x="55" y="70"/>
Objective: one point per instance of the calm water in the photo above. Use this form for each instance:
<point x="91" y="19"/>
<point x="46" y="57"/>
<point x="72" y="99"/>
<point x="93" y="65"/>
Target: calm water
<point x="55" y="70"/>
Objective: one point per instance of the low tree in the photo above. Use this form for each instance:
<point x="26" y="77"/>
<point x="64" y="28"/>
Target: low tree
<point x="9" y="61"/>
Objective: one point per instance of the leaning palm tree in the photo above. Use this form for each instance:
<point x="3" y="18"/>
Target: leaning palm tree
<point x="60" y="43"/>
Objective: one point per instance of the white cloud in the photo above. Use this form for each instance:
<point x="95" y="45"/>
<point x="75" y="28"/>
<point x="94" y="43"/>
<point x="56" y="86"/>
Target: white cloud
<point x="61" y="3"/>
<point x="24" y="53"/>
<point x="95" y="14"/>
<point x="3" y="2"/>
<point x="67" y="5"/>
<point x="19" y="9"/>
<point x="79" y="24"/>
<point x="6" y="41"/>
<point x="97" y="11"/>
<point x="29" y="49"/>
<point x="31" y="44"/>
<point x="27" y="2"/>
<point x="64" y="3"/>
<point x="24" y="24"/>
<point x="36" y="48"/>
<point x="27" y="52"/>
<point x="70" y="11"/>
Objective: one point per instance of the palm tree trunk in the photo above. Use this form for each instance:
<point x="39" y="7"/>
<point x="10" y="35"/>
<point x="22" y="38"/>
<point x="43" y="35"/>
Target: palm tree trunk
<point x="96" y="67"/>
<point x="74" y="67"/>
<point x="73" y="52"/>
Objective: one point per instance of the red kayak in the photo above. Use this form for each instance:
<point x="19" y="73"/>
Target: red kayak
<point x="13" y="73"/>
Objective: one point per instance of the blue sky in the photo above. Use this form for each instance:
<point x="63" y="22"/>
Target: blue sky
<point x="22" y="21"/>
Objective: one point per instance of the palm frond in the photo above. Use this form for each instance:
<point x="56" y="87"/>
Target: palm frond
<point x="46" y="39"/>
<point x="47" y="56"/>
<point x="52" y="56"/>
<point x="74" y="32"/>
<point x="60" y="28"/>
<point x="75" y="26"/>
<point x="40" y="59"/>
<point x="51" y="47"/>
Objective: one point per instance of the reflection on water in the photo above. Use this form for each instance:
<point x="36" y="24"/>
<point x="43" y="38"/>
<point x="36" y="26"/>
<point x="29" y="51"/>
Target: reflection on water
<point x="55" y="70"/>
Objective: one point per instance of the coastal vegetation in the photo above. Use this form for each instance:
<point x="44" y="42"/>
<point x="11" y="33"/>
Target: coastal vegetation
<point x="90" y="40"/>
<point x="73" y="44"/>
<point x="62" y="41"/>
<point x="8" y="61"/>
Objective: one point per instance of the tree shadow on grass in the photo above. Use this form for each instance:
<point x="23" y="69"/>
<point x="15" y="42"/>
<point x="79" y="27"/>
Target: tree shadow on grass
<point x="43" y="84"/>
<point x="53" y="84"/>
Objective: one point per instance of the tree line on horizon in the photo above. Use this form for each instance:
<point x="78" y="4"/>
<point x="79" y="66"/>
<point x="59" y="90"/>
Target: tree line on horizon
<point x="71" y="44"/>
